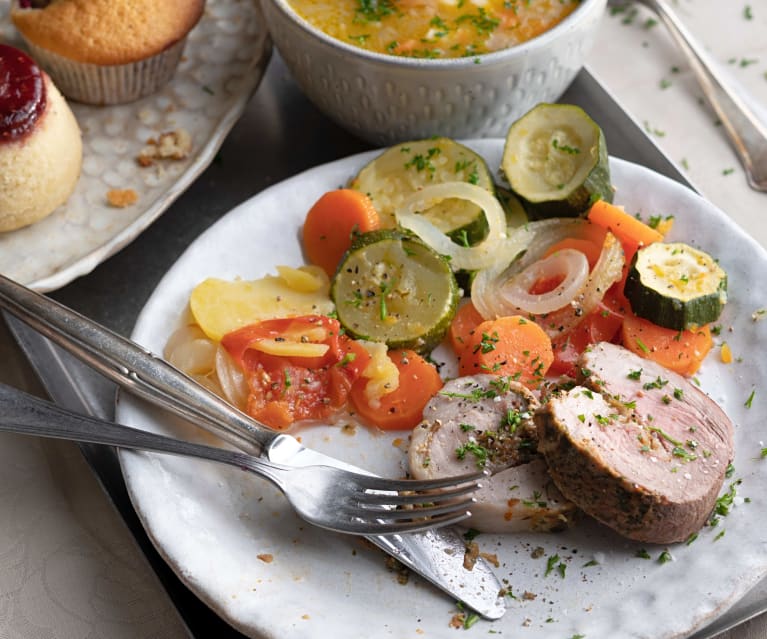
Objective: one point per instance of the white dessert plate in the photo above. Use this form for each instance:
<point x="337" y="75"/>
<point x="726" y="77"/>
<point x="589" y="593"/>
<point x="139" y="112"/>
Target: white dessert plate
<point x="223" y="63"/>
<point x="233" y="539"/>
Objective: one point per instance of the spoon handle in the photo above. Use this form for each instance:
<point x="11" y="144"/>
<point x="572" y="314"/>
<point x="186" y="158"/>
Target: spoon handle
<point x="747" y="133"/>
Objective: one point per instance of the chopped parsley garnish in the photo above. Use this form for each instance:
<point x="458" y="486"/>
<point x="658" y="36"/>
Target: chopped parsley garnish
<point x="664" y="435"/>
<point x="513" y="419"/>
<point x="565" y="148"/>
<point x="373" y="10"/>
<point x="470" y="620"/>
<point x="471" y="534"/>
<point x="554" y="563"/>
<point x="483" y="22"/>
<point x="724" y="503"/>
<point x="680" y="452"/>
<point x="480" y="453"/>
<point x="750" y="399"/>
<point x="347" y="359"/>
<point x="658" y="382"/>
<point x="423" y="163"/>
<point x="487" y="343"/>
<point x="386" y="288"/>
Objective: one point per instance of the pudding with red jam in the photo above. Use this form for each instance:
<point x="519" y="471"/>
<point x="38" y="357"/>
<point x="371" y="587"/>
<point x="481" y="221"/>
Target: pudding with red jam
<point x="40" y="142"/>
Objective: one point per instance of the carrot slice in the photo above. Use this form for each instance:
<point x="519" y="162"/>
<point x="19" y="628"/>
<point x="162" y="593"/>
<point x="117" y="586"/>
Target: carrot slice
<point x="631" y="232"/>
<point x="512" y="346"/>
<point x="680" y="351"/>
<point x="402" y="409"/>
<point x="331" y="223"/>
<point x="466" y="319"/>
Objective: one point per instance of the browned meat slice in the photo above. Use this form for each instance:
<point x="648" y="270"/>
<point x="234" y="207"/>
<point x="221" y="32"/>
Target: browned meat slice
<point x="637" y="447"/>
<point x="487" y="422"/>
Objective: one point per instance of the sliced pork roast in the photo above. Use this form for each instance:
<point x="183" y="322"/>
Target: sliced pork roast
<point x="485" y="421"/>
<point x="636" y="446"/>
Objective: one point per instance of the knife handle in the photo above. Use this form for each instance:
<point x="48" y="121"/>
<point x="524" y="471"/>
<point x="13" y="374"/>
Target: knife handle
<point x="134" y="368"/>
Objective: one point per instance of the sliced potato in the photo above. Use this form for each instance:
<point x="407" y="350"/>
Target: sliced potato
<point x="221" y="306"/>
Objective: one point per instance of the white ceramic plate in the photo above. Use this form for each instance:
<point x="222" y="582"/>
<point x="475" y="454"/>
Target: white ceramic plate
<point x="219" y="528"/>
<point x="223" y="62"/>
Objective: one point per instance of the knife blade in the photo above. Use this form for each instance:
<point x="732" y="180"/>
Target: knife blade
<point x="436" y="555"/>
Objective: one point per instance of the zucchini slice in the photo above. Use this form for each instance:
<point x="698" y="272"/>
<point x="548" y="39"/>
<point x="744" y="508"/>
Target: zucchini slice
<point x="676" y="286"/>
<point x="555" y="159"/>
<point x="405" y="168"/>
<point x="390" y="287"/>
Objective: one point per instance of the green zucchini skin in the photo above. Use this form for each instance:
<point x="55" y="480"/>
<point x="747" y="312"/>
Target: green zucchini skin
<point x="405" y="168"/>
<point x="533" y="156"/>
<point x="390" y="287"/>
<point x="676" y="286"/>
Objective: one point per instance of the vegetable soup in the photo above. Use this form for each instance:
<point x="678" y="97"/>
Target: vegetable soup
<point x="434" y="28"/>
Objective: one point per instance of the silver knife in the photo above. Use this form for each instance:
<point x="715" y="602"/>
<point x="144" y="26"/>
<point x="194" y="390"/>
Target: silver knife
<point x="436" y="555"/>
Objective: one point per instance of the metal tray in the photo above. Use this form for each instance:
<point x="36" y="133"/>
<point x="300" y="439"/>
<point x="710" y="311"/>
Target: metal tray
<point x="279" y="135"/>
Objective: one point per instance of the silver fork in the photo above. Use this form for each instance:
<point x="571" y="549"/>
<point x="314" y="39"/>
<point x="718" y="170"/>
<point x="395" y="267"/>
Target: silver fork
<point x="327" y="497"/>
<point x="436" y="555"/>
<point x="746" y="132"/>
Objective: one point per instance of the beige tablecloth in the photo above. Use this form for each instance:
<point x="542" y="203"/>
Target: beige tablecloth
<point x="69" y="568"/>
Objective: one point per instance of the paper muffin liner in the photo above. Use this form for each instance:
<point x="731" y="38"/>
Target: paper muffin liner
<point x="109" y="84"/>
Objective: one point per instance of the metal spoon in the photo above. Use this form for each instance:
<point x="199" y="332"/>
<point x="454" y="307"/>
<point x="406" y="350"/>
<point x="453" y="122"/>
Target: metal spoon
<point x="746" y="132"/>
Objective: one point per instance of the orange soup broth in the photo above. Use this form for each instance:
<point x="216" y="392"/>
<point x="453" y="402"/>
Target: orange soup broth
<point x="434" y="28"/>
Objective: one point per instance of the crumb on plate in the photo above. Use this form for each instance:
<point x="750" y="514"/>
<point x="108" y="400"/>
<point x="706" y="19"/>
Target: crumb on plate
<point x="171" y="145"/>
<point x="120" y="198"/>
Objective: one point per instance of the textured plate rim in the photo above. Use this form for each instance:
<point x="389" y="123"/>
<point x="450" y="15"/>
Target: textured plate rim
<point x="203" y="158"/>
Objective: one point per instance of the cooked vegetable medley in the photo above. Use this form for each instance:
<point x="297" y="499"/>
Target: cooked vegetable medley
<point x="351" y="333"/>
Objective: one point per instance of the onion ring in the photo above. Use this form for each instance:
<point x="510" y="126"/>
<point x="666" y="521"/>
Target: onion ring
<point x="487" y="292"/>
<point x="573" y="264"/>
<point x="461" y="257"/>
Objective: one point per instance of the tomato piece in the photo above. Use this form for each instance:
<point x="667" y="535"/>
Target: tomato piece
<point x="601" y="325"/>
<point x="284" y="384"/>
<point x="545" y="285"/>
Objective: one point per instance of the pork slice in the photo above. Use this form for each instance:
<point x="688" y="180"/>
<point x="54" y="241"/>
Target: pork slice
<point x="658" y="394"/>
<point x="636" y="446"/>
<point x="484" y="421"/>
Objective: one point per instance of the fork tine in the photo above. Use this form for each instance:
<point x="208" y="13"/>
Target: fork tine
<point x="384" y="484"/>
<point x="382" y="500"/>
<point x="373" y="527"/>
<point x="429" y="510"/>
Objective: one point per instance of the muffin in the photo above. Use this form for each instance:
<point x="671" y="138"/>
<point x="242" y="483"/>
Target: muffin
<point x="40" y="144"/>
<point x="107" y="51"/>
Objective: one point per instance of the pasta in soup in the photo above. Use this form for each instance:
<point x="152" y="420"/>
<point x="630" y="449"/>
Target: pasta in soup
<point x="434" y="28"/>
